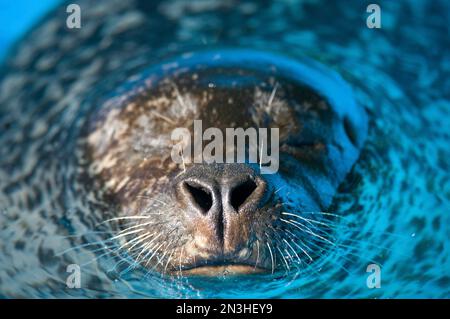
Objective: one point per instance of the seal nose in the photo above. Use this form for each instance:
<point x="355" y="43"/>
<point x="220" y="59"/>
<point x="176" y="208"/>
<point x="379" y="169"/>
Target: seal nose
<point x="200" y="194"/>
<point x="234" y="194"/>
<point x="231" y="194"/>
<point x="240" y="193"/>
<point x="222" y="203"/>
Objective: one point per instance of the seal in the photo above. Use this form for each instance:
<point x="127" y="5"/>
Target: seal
<point x="86" y="118"/>
<point x="60" y="213"/>
<point x="207" y="217"/>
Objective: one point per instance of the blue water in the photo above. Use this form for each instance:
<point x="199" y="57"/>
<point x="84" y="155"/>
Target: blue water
<point x="17" y="17"/>
<point x="395" y="204"/>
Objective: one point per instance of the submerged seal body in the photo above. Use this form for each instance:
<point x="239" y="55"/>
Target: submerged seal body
<point x="86" y="122"/>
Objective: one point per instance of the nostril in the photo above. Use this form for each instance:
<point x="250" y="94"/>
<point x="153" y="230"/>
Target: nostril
<point x="200" y="196"/>
<point x="241" y="192"/>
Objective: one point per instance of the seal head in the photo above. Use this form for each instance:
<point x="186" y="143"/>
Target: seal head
<point x="204" y="216"/>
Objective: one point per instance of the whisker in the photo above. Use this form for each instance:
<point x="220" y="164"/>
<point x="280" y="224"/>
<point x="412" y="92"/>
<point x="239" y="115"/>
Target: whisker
<point x="324" y="213"/>
<point x="284" y="259"/>
<point x="96" y="258"/>
<point x="138" y="239"/>
<point x="296" y="244"/>
<point x="127" y="233"/>
<point x="139" y="225"/>
<point x="257" y="256"/>
<point x="160" y="259"/>
<point x="168" y="260"/>
<point x="279" y="189"/>
<point x="147" y="246"/>
<point x="181" y="255"/>
<point x="271" y="256"/>
<point x="100" y="242"/>
<point x="341" y="256"/>
<point x="150" y="249"/>
<point x="122" y="218"/>
<point x="294" y="223"/>
<point x="295" y="253"/>
<point x="154" y="253"/>
<point x="307" y="219"/>
<point x="272" y="96"/>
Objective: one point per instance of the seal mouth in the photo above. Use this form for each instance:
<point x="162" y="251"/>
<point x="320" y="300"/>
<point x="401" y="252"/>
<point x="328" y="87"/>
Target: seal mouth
<point x="210" y="268"/>
<point x="223" y="269"/>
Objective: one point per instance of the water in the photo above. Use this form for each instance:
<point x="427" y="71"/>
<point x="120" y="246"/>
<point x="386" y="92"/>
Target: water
<point x="395" y="204"/>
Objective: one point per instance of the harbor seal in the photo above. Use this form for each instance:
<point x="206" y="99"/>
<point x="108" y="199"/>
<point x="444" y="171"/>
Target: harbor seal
<point x="209" y="217"/>
<point x="86" y="119"/>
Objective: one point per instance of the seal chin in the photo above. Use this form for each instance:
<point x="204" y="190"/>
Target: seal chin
<point x="228" y="269"/>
